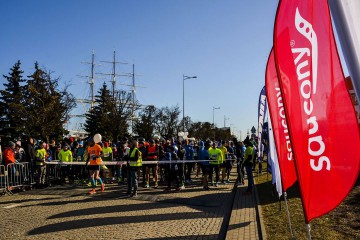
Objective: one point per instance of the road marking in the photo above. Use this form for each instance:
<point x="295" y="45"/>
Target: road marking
<point x="12" y="206"/>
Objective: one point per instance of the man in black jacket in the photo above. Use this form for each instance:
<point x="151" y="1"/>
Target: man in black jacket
<point x="30" y="153"/>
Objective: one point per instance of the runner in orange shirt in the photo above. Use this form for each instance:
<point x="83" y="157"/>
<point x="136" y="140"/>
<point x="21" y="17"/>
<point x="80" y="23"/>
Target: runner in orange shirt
<point x="93" y="163"/>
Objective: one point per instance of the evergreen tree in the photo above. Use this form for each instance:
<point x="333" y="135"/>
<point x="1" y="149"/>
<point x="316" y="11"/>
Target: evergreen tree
<point x="146" y="124"/>
<point x="110" y="116"/>
<point x="11" y="103"/>
<point x="47" y="108"/>
<point x="98" y="120"/>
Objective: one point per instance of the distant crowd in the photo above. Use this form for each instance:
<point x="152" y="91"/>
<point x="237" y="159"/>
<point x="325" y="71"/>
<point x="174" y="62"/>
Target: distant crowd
<point x="170" y="163"/>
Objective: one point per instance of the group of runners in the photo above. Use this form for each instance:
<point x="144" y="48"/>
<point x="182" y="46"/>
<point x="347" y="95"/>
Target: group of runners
<point x="172" y="163"/>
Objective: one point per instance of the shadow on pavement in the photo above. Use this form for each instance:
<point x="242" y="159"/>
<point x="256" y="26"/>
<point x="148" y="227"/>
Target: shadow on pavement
<point x="110" y="209"/>
<point x="207" y="205"/>
<point x="202" y="203"/>
<point x="187" y="237"/>
<point x="238" y="225"/>
<point x="96" y="222"/>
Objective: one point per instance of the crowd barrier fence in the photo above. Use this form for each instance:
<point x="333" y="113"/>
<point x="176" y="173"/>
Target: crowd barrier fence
<point x="3" y="182"/>
<point x="22" y="175"/>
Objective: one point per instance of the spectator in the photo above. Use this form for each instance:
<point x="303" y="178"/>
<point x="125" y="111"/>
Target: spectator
<point x="216" y="159"/>
<point x="142" y="149"/>
<point x="134" y="162"/>
<point x="224" y="152"/>
<point x="248" y="163"/>
<point x="53" y="147"/>
<point x="40" y="165"/>
<point x="203" y="154"/>
<point x="9" y="153"/>
<point x="189" y="155"/>
<point x="152" y="154"/>
<point x="19" y="152"/>
<point x="30" y="152"/>
<point x="261" y="156"/>
<point x="65" y="156"/>
<point x="230" y="159"/>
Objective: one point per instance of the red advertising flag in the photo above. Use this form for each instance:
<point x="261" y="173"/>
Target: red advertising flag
<point x="321" y="118"/>
<point x="279" y="124"/>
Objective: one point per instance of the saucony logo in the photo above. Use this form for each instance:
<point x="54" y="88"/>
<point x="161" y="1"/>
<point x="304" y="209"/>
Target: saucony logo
<point x="316" y="144"/>
<point x="306" y="29"/>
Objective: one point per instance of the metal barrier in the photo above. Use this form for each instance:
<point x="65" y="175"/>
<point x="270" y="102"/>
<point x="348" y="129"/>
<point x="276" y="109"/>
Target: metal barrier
<point x="28" y="174"/>
<point x="3" y="181"/>
<point x="22" y="175"/>
<point x="14" y="175"/>
<point x="53" y="172"/>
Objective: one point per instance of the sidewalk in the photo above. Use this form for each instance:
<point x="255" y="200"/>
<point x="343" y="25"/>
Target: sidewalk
<point x="245" y="221"/>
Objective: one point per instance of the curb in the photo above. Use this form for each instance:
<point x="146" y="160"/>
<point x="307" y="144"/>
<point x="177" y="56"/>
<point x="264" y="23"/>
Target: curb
<point x="227" y="217"/>
<point x="259" y="220"/>
<point x="260" y="232"/>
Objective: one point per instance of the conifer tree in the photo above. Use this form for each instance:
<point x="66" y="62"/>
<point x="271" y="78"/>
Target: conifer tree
<point x="11" y="103"/>
<point x="110" y="117"/>
<point x="146" y="124"/>
<point x="98" y="120"/>
<point x="47" y="108"/>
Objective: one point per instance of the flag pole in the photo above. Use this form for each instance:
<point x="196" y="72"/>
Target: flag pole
<point x="288" y="215"/>
<point x="308" y="228"/>
<point x="345" y="16"/>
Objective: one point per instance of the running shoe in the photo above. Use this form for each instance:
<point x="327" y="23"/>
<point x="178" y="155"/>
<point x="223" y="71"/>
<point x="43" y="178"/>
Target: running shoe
<point x="102" y="187"/>
<point x="92" y="191"/>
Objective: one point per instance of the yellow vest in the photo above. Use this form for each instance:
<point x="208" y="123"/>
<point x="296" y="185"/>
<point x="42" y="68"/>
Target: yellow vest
<point x="138" y="162"/>
<point x="41" y="153"/>
<point x="215" y="155"/>
<point x="65" y="156"/>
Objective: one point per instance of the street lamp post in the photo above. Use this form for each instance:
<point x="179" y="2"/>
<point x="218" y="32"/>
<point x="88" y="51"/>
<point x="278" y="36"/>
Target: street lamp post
<point x="214" y="108"/>
<point x="185" y="78"/>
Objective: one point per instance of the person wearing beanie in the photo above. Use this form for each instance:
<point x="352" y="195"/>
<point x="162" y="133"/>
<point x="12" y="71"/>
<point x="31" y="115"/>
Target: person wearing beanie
<point x="9" y="160"/>
<point x="203" y="154"/>
<point x="9" y="153"/>
<point x="189" y="155"/>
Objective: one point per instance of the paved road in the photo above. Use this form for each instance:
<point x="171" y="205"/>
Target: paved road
<point x="67" y="212"/>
